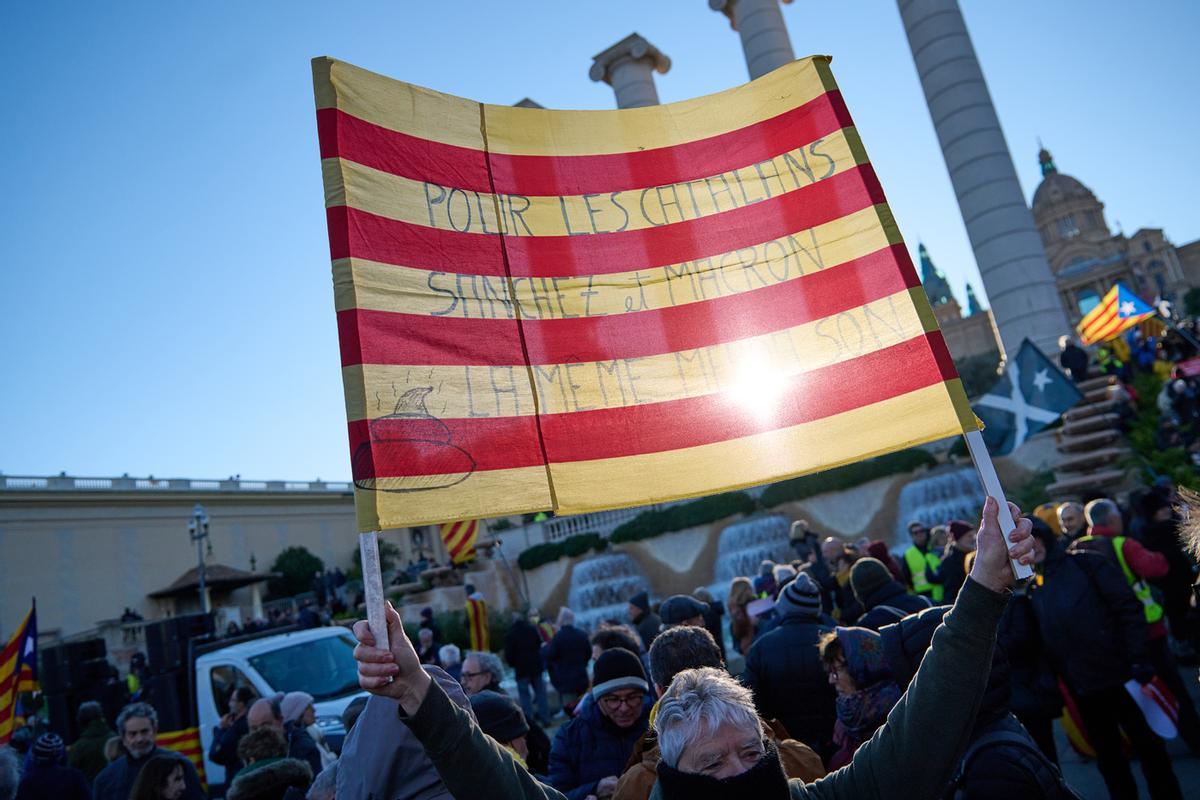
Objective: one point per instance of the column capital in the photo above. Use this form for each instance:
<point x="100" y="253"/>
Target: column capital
<point x="632" y="48"/>
<point x="726" y="8"/>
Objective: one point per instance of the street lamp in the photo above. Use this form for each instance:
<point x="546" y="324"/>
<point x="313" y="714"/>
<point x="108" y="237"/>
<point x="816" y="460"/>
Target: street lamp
<point x="198" y="531"/>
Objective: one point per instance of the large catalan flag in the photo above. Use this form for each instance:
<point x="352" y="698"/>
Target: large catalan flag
<point x="18" y="671"/>
<point x="577" y="310"/>
<point x="186" y="742"/>
<point x="1119" y="311"/>
<point x="459" y="538"/>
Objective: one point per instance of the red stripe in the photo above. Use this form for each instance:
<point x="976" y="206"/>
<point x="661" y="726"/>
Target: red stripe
<point x="380" y="148"/>
<point x="404" y="447"/>
<point x="722" y="319"/>
<point x="364" y="235"/>
<point x="686" y="422"/>
<point x="383" y="337"/>
<point x="1097" y="313"/>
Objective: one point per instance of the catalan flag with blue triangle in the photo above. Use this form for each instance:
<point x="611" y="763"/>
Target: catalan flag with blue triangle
<point x="18" y="671"/>
<point x="1119" y="311"/>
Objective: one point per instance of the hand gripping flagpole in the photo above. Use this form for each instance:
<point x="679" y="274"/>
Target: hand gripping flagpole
<point x="991" y="485"/>
<point x="372" y="576"/>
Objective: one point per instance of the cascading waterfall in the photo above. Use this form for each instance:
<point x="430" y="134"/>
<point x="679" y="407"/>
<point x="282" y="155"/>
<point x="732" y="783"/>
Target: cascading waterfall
<point x="601" y="588"/>
<point x="744" y="545"/>
<point x="937" y="499"/>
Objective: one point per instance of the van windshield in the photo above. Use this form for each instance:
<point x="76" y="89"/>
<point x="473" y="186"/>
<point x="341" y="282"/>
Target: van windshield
<point x="325" y="668"/>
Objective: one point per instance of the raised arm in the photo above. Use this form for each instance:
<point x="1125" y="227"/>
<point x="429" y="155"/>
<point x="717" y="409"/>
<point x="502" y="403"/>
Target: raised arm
<point x="470" y="763"/>
<point x="926" y="731"/>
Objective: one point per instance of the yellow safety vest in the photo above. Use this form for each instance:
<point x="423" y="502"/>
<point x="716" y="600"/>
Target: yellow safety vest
<point x="1152" y="609"/>
<point x="917" y="563"/>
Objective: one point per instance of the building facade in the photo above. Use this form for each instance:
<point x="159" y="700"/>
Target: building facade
<point x="1087" y="258"/>
<point x="967" y="336"/>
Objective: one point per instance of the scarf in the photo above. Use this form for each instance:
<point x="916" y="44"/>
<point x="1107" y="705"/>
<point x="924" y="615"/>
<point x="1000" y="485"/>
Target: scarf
<point x="865" y="710"/>
<point x="764" y="781"/>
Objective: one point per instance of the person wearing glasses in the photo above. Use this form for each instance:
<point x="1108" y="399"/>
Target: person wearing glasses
<point x="481" y="672"/>
<point x="590" y="752"/>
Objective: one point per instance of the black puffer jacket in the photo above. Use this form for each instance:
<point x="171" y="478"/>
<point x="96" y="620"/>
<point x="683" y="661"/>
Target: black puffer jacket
<point x="567" y="656"/>
<point x="1034" y="685"/>
<point x="891" y="595"/>
<point x="1090" y="621"/>
<point x="523" y="650"/>
<point x="784" y="670"/>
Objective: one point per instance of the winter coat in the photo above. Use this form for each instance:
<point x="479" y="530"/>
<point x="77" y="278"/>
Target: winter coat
<point x="1034" y="685"/>
<point x="914" y="755"/>
<point x="223" y="750"/>
<point x="523" y="650"/>
<point x="1090" y="621"/>
<point x="115" y="781"/>
<point x="1075" y="359"/>
<point x="589" y="748"/>
<point x="951" y="573"/>
<point x="712" y="623"/>
<point x="797" y="759"/>
<point x="271" y="781"/>
<point x="87" y="754"/>
<point x="302" y="746"/>
<point x="790" y="684"/>
<point x="647" y="624"/>
<point x="568" y="655"/>
<point x="891" y="595"/>
<point x="53" y="782"/>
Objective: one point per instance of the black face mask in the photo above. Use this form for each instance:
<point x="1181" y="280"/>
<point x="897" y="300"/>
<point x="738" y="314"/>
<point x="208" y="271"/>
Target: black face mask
<point x="764" y="781"/>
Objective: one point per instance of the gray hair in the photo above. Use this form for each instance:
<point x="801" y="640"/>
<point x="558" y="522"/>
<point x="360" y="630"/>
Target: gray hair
<point x="489" y="662"/>
<point x="565" y="616"/>
<point x="698" y="702"/>
<point x="89" y="711"/>
<point x="136" y="710"/>
<point x="10" y="773"/>
<point x="324" y="786"/>
<point x="449" y="654"/>
<point x="1099" y="512"/>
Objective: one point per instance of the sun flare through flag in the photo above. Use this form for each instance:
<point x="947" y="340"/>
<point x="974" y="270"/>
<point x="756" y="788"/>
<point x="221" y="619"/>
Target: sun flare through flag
<point x="1119" y="311"/>
<point x="579" y="310"/>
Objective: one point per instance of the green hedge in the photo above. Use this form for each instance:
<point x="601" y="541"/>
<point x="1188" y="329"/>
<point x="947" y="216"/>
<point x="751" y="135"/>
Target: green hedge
<point x="572" y="546"/>
<point x="1143" y="435"/>
<point x="847" y="477"/>
<point x="684" y="515"/>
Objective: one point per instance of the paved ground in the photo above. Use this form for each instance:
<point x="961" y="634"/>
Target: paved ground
<point x="1085" y="778"/>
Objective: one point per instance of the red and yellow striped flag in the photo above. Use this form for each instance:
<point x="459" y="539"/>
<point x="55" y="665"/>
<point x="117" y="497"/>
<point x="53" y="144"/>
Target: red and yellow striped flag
<point x="477" y="624"/>
<point x="186" y="742"/>
<point x="18" y="671"/>
<point x="578" y="310"/>
<point x="459" y="538"/>
<point x="1117" y="312"/>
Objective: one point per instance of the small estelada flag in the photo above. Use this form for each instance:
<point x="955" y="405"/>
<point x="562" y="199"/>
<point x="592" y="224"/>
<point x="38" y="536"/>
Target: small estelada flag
<point x="459" y="538"/>
<point x="1119" y="311"/>
<point x="18" y="671"/>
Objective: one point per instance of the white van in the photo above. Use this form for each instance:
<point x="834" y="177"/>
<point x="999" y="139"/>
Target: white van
<point x="319" y="661"/>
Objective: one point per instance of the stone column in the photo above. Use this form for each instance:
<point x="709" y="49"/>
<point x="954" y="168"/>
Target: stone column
<point x="628" y="67"/>
<point x="256" y="607"/>
<point x="765" y="40"/>
<point x="1008" y="250"/>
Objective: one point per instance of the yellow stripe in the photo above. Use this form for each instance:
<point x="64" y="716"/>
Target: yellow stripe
<point x="1092" y="315"/>
<point x="358" y="283"/>
<point x="454" y="120"/>
<point x="504" y="391"/>
<point x="429" y="205"/>
<point x="921" y="416"/>
<point x="494" y="493"/>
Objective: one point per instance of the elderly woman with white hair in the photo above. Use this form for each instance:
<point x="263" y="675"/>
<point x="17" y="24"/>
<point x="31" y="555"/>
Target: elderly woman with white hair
<point x="711" y="740"/>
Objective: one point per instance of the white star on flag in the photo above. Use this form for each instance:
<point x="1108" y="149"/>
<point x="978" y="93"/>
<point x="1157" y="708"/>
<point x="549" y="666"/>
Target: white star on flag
<point x="1041" y="378"/>
<point x="1015" y="404"/>
<point x="1128" y="309"/>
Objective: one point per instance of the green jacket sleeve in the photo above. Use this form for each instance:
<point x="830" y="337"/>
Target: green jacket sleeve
<point x="470" y="762"/>
<point x="923" y="738"/>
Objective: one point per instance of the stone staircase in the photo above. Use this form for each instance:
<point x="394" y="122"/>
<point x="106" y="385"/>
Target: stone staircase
<point x="1091" y="444"/>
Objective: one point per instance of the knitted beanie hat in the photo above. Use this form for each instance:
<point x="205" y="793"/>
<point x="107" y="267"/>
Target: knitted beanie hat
<point x="960" y="528"/>
<point x="641" y="600"/>
<point x="617" y="669"/>
<point x="800" y="597"/>
<point x="293" y="705"/>
<point x="868" y="575"/>
<point x="49" y="748"/>
<point x="499" y="716"/>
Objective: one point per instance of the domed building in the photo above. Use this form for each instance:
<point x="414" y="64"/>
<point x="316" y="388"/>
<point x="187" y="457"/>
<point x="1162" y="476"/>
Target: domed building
<point x="967" y="336"/>
<point x="1087" y="259"/>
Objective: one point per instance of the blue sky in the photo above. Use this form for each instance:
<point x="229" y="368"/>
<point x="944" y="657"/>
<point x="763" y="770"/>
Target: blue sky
<point x="165" y="301"/>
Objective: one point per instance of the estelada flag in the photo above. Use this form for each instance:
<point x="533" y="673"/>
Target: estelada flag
<point x="18" y="671"/>
<point x="1119" y="311"/>
<point x="579" y="310"/>
<point x="477" y="624"/>
<point x="459" y="538"/>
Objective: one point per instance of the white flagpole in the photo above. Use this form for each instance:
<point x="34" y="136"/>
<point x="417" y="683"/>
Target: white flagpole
<point x="372" y="577"/>
<point x="991" y="485"/>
